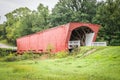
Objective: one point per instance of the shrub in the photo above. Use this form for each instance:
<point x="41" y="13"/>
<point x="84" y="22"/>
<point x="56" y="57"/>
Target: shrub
<point x="5" y="52"/>
<point x="29" y="55"/>
<point x="25" y="56"/>
<point x="10" y="58"/>
<point x="16" y="57"/>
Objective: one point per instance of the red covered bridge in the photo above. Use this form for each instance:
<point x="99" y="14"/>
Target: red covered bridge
<point x="58" y="38"/>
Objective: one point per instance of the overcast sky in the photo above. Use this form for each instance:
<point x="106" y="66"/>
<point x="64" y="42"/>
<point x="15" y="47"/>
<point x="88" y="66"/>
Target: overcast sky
<point x="7" y="6"/>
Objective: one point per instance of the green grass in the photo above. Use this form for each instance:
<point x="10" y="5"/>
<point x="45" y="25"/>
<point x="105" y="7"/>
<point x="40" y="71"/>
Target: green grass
<point x="102" y="64"/>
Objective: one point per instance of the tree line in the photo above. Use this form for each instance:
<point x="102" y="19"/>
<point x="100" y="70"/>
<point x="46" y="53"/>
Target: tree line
<point x="23" y="21"/>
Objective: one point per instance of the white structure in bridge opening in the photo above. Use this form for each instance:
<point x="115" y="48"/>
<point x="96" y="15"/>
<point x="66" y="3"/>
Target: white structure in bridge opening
<point x="88" y="42"/>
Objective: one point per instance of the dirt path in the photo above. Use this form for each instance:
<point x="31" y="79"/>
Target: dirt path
<point x="89" y="52"/>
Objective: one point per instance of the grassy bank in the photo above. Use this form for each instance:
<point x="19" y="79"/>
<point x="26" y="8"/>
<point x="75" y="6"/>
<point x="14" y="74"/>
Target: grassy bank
<point x="102" y="64"/>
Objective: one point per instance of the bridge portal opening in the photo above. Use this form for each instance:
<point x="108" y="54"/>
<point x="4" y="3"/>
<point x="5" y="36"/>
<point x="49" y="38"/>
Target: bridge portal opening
<point x="81" y="36"/>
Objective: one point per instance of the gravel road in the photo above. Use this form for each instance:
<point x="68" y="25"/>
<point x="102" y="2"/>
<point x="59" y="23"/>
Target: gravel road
<point x="6" y="46"/>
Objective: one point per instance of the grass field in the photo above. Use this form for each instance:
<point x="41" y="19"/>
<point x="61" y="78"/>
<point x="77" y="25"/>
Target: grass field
<point x="102" y="64"/>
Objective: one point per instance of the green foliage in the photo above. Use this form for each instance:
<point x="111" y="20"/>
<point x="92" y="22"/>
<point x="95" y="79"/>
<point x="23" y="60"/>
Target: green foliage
<point x="75" y="51"/>
<point x="10" y="58"/>
<point x="61" y="54"/>
<point x="25" y="56"/>
<point x="103" y="64"/>
<point x="50" y="48"/>
<point x="13" y="22"/>
<point x="28" y="55"/>
<point x="2" y="52"/>
<point x="2" y="31"/>
<point x="108" y="16"/>
<point x="23" y="21"/>
<point x="5" y="52"/>
<point x="73" y="11"/>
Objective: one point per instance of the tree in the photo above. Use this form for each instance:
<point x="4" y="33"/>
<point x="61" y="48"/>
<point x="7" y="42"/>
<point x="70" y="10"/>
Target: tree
<point x="41" y="18"/>
<point x="34" y="22"/>
<point x="73" y="10"/>
<point x="13" y="21"/>
<point x="2" y="31"/>
<point x="108" y="15"/>
<point x="23" y="21"/>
